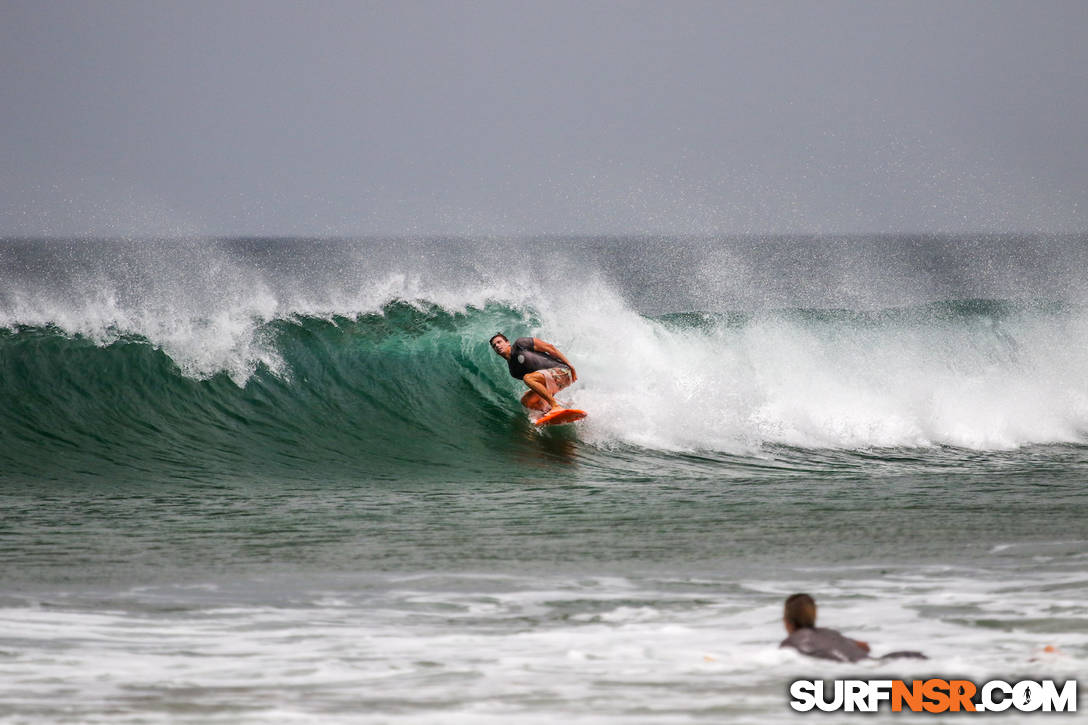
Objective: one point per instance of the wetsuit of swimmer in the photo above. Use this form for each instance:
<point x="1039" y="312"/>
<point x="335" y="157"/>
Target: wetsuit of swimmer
<point x="799" y="617"/>
<point x="539" y="365"/>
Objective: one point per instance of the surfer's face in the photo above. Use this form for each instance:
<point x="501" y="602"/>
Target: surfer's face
<point x="500" y="346"/>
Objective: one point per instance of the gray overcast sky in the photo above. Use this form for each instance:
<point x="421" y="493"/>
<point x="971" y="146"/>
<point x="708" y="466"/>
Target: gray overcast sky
<point x="507" y="117"/>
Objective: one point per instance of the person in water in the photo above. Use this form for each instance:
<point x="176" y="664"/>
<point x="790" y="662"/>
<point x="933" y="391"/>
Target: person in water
<point x="539" y="365"/>
<point x="799" y="616"/>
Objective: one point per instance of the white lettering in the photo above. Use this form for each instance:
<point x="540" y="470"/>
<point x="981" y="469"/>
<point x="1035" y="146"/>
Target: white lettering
<point x="821" y="698"/>
<point x="803" y="693"/>
<point x="1064" y="701"/>
<point x="993" y="696"/>
<point x="988" y="702"/>
<point x="855" y="696"/>
<point x="1027" y="696"/>
<point x="879" y="691"/>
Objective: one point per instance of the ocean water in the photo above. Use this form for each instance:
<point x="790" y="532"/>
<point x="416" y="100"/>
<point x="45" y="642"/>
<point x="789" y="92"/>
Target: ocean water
<point x="286" y="480"/>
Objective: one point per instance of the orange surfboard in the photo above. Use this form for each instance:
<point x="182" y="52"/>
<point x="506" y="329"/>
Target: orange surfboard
<point x="558" y="416"/>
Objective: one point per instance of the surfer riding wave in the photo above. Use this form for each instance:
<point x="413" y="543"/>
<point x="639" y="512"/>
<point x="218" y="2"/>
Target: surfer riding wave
<point x="539" y="365"/>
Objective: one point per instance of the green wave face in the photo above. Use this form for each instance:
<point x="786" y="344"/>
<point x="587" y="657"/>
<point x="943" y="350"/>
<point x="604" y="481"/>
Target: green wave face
<point x="410" y="387"/>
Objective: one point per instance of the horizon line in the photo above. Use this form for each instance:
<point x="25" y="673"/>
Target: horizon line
<point x="565" y="236"/>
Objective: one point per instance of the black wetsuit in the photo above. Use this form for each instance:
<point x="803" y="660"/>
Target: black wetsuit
<point x="827" y="644"/>
<point x="524" y="359"/>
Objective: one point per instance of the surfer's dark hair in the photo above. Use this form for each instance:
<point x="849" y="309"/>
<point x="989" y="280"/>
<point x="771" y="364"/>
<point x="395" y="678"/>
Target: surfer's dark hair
<point x="800" y="611"/>
<point x="497" y="334"/>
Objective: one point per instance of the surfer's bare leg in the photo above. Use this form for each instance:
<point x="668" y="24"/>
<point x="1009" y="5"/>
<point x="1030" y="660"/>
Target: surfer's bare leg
<point x="538" y="384"/>
<point x="533" y="401"/>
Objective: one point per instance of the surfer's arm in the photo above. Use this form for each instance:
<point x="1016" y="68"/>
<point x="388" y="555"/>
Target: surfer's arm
<point x="552" y="351"/>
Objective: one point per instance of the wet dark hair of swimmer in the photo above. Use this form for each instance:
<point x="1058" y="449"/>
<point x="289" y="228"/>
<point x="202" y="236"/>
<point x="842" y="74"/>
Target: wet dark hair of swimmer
<point x="799" y="612"/>
<point x="498" y="334"/>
